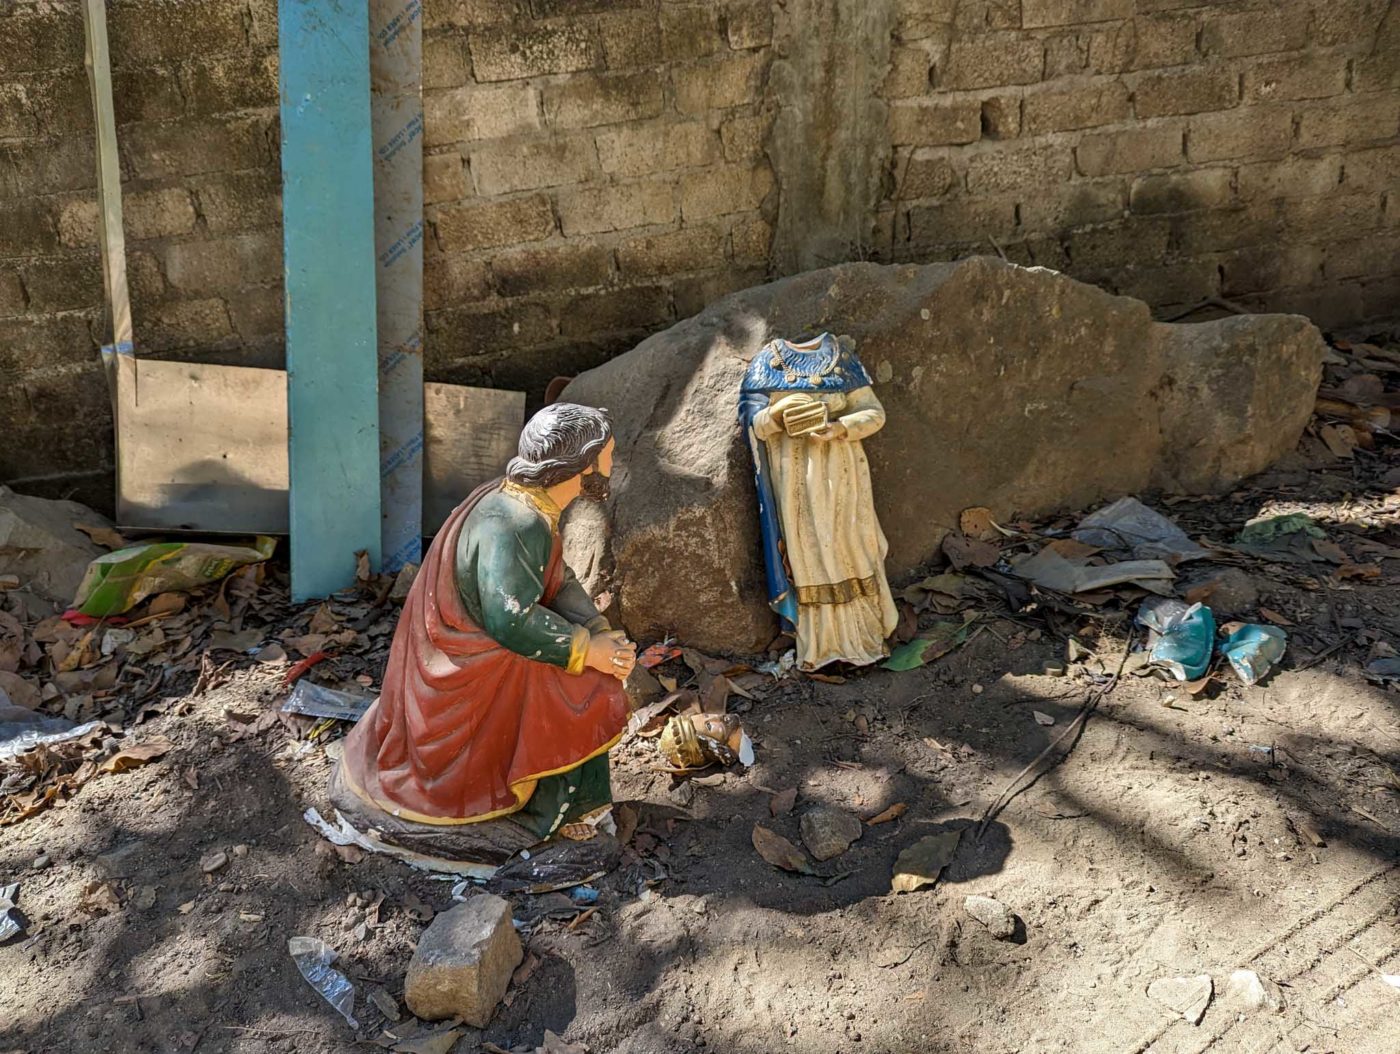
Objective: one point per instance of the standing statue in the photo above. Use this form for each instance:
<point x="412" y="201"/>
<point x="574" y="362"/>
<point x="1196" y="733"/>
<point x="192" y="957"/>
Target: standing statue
<point x="503" y="692"/>
<point x="806" y="408"/>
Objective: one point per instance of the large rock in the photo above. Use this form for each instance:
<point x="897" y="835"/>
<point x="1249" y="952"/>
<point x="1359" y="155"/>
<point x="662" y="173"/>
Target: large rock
<point x="39" y="543"/>
<point x="1018" y="389"/>
<point x="463" y="962"/>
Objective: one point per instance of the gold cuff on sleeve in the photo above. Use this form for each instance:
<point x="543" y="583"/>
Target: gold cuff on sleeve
<point x="578" y="650"/>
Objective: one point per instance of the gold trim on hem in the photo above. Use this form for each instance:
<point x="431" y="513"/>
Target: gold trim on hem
<point x="518" y="788"/>
<point x="838" y="592"/>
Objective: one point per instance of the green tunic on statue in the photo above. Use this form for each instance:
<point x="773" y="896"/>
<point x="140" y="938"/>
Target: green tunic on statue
<point x="505" y="546"/>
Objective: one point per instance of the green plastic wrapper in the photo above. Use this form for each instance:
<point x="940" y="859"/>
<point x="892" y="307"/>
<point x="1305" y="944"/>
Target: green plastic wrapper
<point x="118" y="581"/>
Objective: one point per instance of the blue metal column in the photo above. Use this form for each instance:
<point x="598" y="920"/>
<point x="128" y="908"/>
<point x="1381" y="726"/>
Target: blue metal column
<point x="328" y="240"/>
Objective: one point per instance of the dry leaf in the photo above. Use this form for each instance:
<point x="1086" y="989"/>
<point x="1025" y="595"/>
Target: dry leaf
<point x="626" y="818"/>
<point x="779" y="852"/>
<point x="1273" y="616"/>
<point x="1340" y="439"/>
<point x="323" y="621"/>
<point x="362" y="571"/>
<point x="166" y="604"/>
<point x="1042" y="718"/>
<point x="977" y="523"/>
<point x="21" y="692"/>
<point x="826" y="678"/>
<point x="138" y="755"/>
<point x="223" y="640"/>
<point x="554" y="1045"/>
<point x="103" y="536"/>
<point x="922" y="863"/>
<point x="1309" y="832"/>
<point x="969" y="552"/>
<point x="781" y="803"/>
<point x="1330" y="551"/>
<point x="894" y="812"/>
<point x="715" y="696"/>
<point x="1359" y="571"/>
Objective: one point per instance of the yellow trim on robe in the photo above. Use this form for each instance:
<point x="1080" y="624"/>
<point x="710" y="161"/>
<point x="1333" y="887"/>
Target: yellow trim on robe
<point x="522" y="789"/>
<point x="578" y="650"/>
<point x="538" y="499"/>
<point x="839" y="592"/>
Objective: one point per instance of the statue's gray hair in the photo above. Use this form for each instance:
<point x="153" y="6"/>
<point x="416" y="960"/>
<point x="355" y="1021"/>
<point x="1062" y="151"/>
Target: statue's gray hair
<point x="558" y="443"/>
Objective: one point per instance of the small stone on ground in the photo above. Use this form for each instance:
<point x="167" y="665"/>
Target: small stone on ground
<point x="828" y="832"/>
<point x="463" y="962"/>
<point x="996" y="916"/>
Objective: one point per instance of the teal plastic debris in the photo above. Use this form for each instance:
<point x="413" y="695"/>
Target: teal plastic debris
<point x="1253" y="650"/>
<point x="1183" y="638"/>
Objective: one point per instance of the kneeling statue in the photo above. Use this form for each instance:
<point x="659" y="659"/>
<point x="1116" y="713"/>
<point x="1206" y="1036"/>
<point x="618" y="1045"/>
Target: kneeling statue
<point x="504" y="688"/>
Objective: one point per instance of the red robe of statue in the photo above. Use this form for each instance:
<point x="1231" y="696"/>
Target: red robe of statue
<point x="464" y="727"/>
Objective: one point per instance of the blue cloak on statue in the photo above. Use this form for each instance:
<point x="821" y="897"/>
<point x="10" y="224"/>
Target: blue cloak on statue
<point x="828" y="366"/>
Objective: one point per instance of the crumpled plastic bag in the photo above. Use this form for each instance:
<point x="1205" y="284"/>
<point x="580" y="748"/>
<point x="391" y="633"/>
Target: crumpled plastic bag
<point x="1129" y="524"/>
<point x="118" y="581"/>
<point x="1253" y="650"/>
<point x="1184" y="636"/>
<point x="313" y="958"/>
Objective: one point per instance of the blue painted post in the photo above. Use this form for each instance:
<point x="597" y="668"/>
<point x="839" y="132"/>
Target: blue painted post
<point x="328" y="243"/>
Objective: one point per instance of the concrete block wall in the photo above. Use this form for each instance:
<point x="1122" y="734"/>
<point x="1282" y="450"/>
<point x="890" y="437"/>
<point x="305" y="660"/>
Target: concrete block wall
<point x="1171" y="150"/>
<point x="597" y="169"/>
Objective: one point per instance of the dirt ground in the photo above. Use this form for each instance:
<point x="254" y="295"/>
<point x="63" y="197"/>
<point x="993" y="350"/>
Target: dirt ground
<point x="1244" y="828"/>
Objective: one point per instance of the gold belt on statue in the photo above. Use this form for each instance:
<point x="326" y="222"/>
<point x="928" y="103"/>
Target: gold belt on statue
<point x="838" y="592"/>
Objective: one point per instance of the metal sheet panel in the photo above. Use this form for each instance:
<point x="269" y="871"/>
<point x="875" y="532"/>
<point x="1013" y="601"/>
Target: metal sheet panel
<point x="328" y="238"/>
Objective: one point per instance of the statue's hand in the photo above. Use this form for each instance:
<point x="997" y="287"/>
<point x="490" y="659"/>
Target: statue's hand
<point x="611" y="653"/>
<point x="786" y="403"/>
<point x="831" y="433"/>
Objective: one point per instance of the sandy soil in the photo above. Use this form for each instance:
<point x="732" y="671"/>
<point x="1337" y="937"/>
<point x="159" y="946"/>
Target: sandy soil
<point x="1178" y="838"/>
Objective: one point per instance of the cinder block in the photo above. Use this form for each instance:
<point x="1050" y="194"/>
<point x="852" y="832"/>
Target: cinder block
<point x="27" y="227"/>
<point x="588" y="100"/>
<point x="551" y="268"/>
<point x="241" y="201"/>
<point x="64" y="283"/>
<point x="521" y="50"/>
<point x="197" y="145"/>
<point x="151" y="94"/>
<point x="17" y="120"/>
<point x="468" y="14"/>
<point x="643" y="149"/>
<point x="723" y="190"/>
<point x="1247" y="132"/>
<point x="966" y="220"/>
<point x="1001" y="116"/>
<point x="181" y="324"/>
<point x="257" y="315"/>
<point x="1338" y="215"/>
<point x="504" y="167"/>
<point x="12" y="299"/>
<point x="718" y="83"/>
<point x="1192" y="91"/>
<point x="1060" y="109"/>
<point x="1130" y="150"/>
<point x="1070" y="205"/>
<point x="910" y="73"/>
<point x="1218" y="230"/>
<point x="44" y="40"/>
<point x="36" y="345"/>
<point x="930" y="174"/>
<point x="1036" y="14"/>
<point x="1314" y="76"/>
<point x="452" y="280"/>
<point x="993" y="61"/>
<point x="1371" y="169"/>
<point x="935" y="122"/>
<point x="741" y="136"/>
<point x="152" y="32"/>
<point x="690" y="31"/>
<point x="1011" y="168"/>
<point x="749" y="24"/>
<point x="1201" y="188"/>
<point x="751" y="241"/>
<point x="1161" y="40"/>
<point x="1111" y="246"/>
<point x="1257" y="31"/>
<point x="630" y="38"/>
<point x="1259" y="269"/>
<point x="58" y="165"/>
<point x="1187" y="282"/>
<point x="1349" y="122"/>
<point x="226" y="85"/>
<point x="674" y="252"/>
<point x="456" y="332"/>
<point x="629" y="310"/>
<point x="485" y="225"/>
<point x="447" y="62"/>
<point x="1292" y="177"/>
<point x="60" y="101"/>
<point x="1375" y="254"/>
<point x="462" y="115"/>
<point x="592" y="210"/>
<point x="217" y="267"/>
<point x="445" y="178"/>
<point x="157" y="213"/>
<point x="77" y="222"/>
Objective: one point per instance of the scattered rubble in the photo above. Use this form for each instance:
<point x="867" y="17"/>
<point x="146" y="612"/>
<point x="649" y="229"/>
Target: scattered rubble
<point x="1186" y="996"/>
<point x="463" y="962"/>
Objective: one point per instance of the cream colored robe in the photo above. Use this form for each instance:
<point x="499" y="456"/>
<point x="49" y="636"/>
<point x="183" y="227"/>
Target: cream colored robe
<point x="833" y="541"/>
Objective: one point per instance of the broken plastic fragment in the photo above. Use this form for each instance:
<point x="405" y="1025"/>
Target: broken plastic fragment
<point x="313" y="958"/>
<point x="1253" y="650"/>
<point x="1184" y="636"/>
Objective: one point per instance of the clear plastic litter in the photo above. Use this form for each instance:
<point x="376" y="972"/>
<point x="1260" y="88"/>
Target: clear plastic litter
<point x="313" y="958"/>
<point x="22" y="730"/>
<point x="1253" y="650"/>
<point x="316" y="700"/>
<point x="1129" y="524"/>
<point x="1184" y="637"/>
<point x="10" y="923"/>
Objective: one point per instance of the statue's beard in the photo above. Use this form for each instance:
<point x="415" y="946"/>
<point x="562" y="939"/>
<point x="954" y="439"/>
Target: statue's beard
<point x="596" y="486"/>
